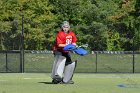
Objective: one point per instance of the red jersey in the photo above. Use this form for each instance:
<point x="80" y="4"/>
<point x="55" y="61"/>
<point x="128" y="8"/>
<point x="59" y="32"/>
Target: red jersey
<point x="64" y="38"/>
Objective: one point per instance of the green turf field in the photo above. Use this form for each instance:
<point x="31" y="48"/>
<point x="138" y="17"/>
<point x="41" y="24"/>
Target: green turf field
<point x="84" y="83"/>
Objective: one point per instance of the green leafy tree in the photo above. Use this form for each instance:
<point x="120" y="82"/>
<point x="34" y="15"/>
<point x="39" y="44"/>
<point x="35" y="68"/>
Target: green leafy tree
<point x="103" y="24"/>
<point x="38" y="21"/>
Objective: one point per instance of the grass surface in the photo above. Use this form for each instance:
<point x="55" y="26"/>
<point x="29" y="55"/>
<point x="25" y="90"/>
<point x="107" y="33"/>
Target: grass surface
<point x="84" y="83"/>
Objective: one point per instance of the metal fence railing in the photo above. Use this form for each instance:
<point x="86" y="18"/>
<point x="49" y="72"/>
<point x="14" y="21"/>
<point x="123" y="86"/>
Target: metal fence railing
<point x="95" y="62"/>
<point x="10" y="61"/>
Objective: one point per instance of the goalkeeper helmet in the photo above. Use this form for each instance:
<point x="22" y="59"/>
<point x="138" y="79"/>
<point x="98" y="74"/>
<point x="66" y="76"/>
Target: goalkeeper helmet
<point x="65" y="24"/>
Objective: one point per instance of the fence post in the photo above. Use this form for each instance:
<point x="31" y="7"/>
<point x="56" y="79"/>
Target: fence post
<point x="133" y="47"/>
<point x="133" y="57"/>
<point x="22" y="47"/>
<point x="133" y="62"/>
<point x="96" y="62"/>
<point x="6" y="63"/>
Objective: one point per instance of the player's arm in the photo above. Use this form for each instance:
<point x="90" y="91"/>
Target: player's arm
<point x="60" y="41"/>
<point x="74" y="44"/>
<point x="61" y="45"/>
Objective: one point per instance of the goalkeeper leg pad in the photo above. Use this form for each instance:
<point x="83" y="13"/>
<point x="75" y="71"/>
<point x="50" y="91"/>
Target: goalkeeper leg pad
<point x="68" y="73"/>
<point x="58" y="67"/>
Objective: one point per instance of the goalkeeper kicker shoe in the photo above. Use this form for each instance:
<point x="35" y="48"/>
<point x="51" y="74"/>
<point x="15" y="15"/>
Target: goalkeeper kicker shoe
<point x="70" y="82"/>
<point x="55" y="81"/>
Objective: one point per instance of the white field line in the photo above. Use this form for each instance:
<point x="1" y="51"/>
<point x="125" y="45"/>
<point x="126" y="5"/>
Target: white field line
<point x="106" y="76"/>
<point x="82" y="75"/>
<point x="3" y="80"/>
<point x="32" y="78"/>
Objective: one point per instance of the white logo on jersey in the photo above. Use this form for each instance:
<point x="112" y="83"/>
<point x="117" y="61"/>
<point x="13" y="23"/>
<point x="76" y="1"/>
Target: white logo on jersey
<point x="68" y="40"/>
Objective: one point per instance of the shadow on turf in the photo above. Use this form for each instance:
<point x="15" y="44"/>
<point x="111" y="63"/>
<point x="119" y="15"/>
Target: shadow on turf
<point x="46" y="82"/>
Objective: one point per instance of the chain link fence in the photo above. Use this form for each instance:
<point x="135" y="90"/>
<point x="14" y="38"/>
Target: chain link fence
<point x="97" y="62"/>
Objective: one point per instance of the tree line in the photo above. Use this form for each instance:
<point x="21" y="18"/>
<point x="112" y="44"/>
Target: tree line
<point x="112" y="25"/>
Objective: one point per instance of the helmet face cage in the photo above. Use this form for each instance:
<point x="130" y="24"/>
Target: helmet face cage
<point x="65" y="24"/>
